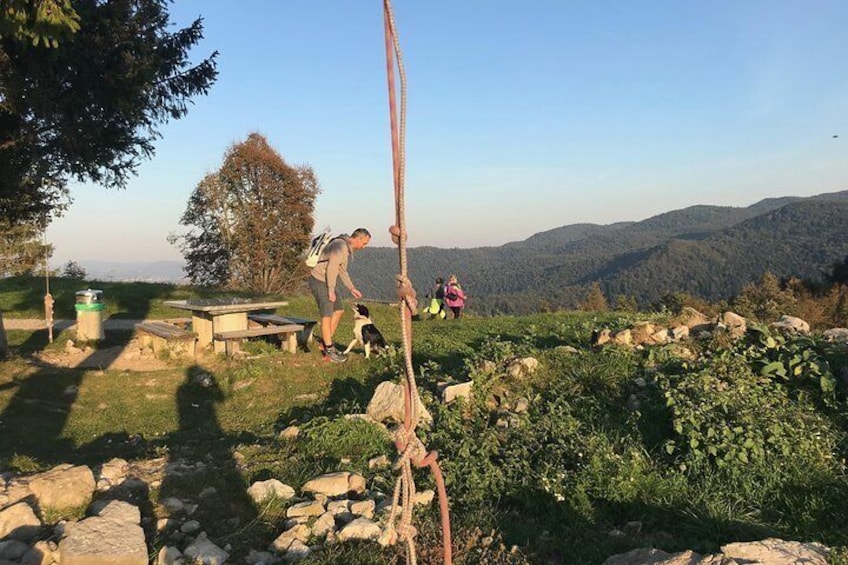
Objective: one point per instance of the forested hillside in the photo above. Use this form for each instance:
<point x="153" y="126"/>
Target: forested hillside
<point x="707" y="251"/>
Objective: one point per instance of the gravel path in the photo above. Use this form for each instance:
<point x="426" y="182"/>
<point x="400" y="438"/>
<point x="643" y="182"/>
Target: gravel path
<point x="25" y="324"/>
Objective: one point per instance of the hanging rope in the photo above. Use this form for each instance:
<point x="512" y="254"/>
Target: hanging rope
<point x="412" y="450"/>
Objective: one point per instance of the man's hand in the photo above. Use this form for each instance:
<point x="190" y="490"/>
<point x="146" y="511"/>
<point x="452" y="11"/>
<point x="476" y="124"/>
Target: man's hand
<point x="356" y="293"/>
<point x="332" y="296"/>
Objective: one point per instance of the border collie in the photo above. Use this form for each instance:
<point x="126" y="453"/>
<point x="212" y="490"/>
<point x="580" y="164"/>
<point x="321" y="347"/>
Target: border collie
<point x="365" y="332"/>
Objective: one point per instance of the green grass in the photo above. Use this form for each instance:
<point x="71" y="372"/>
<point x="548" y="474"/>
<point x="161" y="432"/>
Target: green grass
<point x="580" y="463"/>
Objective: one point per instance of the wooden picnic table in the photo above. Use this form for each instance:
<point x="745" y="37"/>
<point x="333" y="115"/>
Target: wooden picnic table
<point x="216" y="316"/>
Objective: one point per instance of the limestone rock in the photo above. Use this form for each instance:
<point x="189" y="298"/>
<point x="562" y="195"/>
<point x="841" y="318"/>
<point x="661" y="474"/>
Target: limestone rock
<point x="679" y="332"/>
<point x="297" y="551"/>
<point x="693" y="319"/>
<point x="641" y="332"/>
<point x="169" y="555"/>
<point x="325" y="524"/>
<point x="290" y="432"/>
<point x="452" y="392"/>
<point x="101" y="541"/>
<point x="792" y="324"/>
<point x="117" y="510"/>
<point x="774" y="551"/>
<point x="387" y="405"/>
<point x="308" y="508"/>
<point x="379" y="462"/>
<point x="360" y="529"/>
<point x="364" y="508"/>
<point x="63" y="488"/>
<point x="336" y="484"/>
<point x="522" y="367"/>
<point x="836" y="335"/>
<point x="203" y="551"/>
<point x="284" y="540"/>
<point x="19" y="522"/>
<point x="261" y="491"/>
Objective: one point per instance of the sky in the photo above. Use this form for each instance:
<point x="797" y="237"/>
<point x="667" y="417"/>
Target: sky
<point x="522" y="116"/>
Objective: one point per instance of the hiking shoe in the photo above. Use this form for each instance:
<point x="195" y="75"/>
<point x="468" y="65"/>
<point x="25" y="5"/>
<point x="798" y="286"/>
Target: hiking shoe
<point x="332" y="354"/>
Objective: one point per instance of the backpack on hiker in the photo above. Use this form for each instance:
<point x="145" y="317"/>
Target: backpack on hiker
<point x="316" y="248"/>
<point x="451" y="293"/>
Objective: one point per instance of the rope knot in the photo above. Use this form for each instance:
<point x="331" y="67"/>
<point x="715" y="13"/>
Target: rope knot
<point x="406" y="293"/>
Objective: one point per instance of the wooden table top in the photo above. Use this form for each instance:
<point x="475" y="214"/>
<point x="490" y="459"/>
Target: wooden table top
<point x="223" y="308"/>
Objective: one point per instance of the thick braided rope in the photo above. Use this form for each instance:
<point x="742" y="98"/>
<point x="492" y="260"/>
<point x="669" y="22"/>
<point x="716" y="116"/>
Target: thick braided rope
<point x="412" y="450"/>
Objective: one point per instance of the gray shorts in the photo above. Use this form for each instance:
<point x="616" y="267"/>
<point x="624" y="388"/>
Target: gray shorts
<point x="322" y="297"/>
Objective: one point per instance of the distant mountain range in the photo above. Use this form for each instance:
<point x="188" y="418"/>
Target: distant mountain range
<point x="154" y="271"/>
<point x="706" y="251"/>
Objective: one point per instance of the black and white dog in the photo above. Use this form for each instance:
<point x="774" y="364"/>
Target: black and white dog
<point x="365" y="332"/>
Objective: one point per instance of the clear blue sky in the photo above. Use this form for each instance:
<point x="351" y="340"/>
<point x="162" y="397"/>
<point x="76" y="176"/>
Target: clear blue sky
<point x="523" y="116"/>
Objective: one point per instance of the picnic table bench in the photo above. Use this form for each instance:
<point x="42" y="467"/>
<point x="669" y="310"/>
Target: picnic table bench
<point x="287" y="333"/>
<point x="162" y="335"/>
<point x="304" y="336"/>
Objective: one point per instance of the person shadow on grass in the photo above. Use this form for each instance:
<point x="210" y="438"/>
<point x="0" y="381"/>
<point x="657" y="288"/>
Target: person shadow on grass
<point x="202" y="480"/>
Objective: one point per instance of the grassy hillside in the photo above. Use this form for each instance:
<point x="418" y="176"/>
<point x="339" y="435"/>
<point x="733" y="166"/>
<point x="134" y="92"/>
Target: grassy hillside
<point x="598" y="452"/>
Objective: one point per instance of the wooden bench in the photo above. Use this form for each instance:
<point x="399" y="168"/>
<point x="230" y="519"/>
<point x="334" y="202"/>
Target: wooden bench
<point x="287" y="333"/>
<point x="164" y="336"/>
<point x="304" y="337"/>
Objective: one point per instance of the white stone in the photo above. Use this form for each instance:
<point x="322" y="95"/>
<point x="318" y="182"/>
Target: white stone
<point x="364" y="508"/>
<point x="308" y="508"/>
<point x="323" y="525"/>
<point x="336" y="484"/>
<point x="97" y="540"/>
<point x="190" y="527"/>
<point x="335" y="507"/>
<point x="387" y="405"/>
<point x="173" y="505"/>
<point x="776" y="551"/>
<point x="117" y="510"/>
<point x="793" y="324"/>
<point x="114" y="470"/>
<point x="65" y="487"/>
<point x="360" y="529"/>
<point x="522" y="367"/>
<point x="452" y="392"/>
<point x="169" y="555"/>
<point x="260" y="491"/>
<point x="379" y="462"/>
<point x="284" y="540"/>
<point x="423" y="497"/>
<point x="838" y="335"/>
<point x="204" y="551"/>
<point x="297" y="551"/>
<point x="18" y="522"/>
<point x="290" y="432"/>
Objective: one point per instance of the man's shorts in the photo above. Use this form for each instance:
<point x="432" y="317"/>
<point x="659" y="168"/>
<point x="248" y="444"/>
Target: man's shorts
<point x="322" y="297"/>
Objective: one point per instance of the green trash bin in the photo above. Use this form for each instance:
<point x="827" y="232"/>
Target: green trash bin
<point x="90" y="308"/>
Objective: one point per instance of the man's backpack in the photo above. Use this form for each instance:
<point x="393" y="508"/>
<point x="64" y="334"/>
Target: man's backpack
<point x="319" y="242"/>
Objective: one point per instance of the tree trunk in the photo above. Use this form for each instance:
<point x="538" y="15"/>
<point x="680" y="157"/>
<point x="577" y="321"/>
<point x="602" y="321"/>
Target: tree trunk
<point x="4" y="344"/>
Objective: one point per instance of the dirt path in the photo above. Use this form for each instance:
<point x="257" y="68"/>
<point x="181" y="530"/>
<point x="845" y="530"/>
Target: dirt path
<point x="29" y="324"/>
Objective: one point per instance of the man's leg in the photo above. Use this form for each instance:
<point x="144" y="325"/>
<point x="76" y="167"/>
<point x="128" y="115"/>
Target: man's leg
<point x="327" y="331"/>
<point x="334" y="323"/>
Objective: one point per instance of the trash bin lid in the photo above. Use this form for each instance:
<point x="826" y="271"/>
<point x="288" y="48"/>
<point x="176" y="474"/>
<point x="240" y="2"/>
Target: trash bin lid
<point x="89" y="295"/>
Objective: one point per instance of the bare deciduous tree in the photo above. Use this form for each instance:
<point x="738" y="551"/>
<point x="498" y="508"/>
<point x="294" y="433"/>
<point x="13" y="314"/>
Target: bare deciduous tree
<point x="252" y="219"/>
